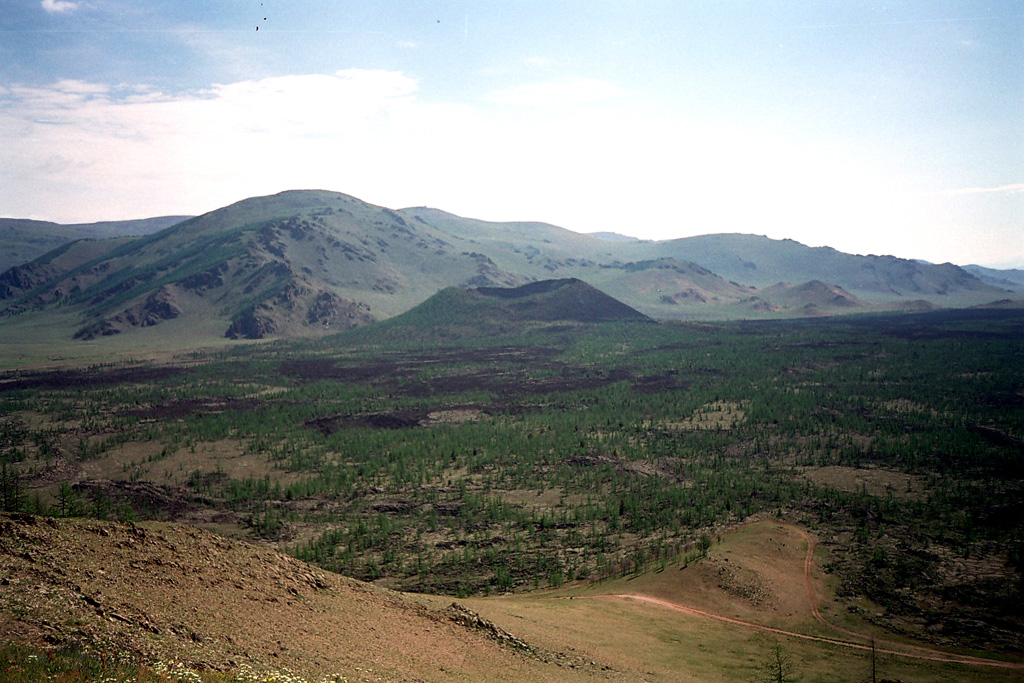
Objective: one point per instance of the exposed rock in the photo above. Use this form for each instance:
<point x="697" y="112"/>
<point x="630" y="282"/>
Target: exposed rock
<point x="170" y="502"/>
<point x="61" y="469"/>
<point x="489" y="274"/>
<point x="22" y="279"/>
<point x="209" y="279"/>
<point x="256" y="324"/>
<point x="160" y="306"/>
<point x="470" y="619"/>
<point x="163" y="305"/>
<point x="300" y="307"/>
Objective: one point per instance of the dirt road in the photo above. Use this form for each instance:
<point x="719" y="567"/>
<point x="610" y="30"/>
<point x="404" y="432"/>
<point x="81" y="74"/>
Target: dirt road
<point x="909" y="651"/>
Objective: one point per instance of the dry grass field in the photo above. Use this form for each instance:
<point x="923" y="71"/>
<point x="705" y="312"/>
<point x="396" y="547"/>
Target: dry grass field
<point x="173" y="593"/>
<point x="718" y="619"/>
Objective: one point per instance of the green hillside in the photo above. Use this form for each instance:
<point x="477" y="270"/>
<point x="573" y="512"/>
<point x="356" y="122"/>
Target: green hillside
<point x="23" y="240"/>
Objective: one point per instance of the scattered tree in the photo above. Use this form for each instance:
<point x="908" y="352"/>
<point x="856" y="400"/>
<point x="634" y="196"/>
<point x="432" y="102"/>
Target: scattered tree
<point x="777" y="668"/>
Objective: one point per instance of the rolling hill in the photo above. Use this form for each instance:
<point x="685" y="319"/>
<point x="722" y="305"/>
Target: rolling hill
<point x="23" y="240"/>
<point x="304" y="263"/>
<point x="298" y="263"/>
<point x="814" y="298"/>
<point x="762" y="262"/>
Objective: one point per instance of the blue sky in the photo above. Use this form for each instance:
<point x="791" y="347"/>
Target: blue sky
<point x="872" y="127"/>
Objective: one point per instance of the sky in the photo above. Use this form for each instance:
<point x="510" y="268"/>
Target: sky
<point x="872" y="127"/>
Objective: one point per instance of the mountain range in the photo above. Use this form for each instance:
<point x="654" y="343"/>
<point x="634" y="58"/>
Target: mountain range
<point x="303" y="263"/>
<point x="22" y="240"/>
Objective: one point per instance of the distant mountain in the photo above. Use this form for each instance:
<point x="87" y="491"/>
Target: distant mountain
<point x="668" y="285"/>
<point x="305" y="263"/>
<point x="762" y="262"/>
<point x="1006" y="279"/>
<point x="24" y="240"/>
<point x="539" y="250"/>
<point x="1008" y="304"/>
<point x="813" y="298"/>
<point x="297" y="263"/>
<point x="612" y="237"/>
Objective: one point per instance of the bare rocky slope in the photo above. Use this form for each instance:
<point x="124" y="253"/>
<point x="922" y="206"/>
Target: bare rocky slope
<point x="164" y="592"/>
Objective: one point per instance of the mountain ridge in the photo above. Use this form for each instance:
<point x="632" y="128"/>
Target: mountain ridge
<point x="24" y="240"/>
<point x="313" y="262"/>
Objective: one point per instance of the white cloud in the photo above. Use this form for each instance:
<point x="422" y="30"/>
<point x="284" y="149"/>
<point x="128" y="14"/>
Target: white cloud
<point x="80" y="87"/>
<point x="367" y="133"/>
<point x="59" y="6"/>
<point x="76" y="151"/>
<point x="1012" y="187"/>
<point x="570" y="92"/>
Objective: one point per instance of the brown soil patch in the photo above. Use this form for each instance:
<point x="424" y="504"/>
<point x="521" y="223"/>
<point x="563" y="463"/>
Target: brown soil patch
<point x="455" y="416"/>
<point x="717" y="415"/>
<point x="756" y="573"/>
<point x="212" y="460"/>
<point x="540" y="500"/>
<point x="877" y="481"/>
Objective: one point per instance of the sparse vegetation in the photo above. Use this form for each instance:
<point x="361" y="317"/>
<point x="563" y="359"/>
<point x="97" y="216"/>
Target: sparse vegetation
<point x="24" y="664"/>
<point x="777" y="667"/>
<point x="571" y="453"/>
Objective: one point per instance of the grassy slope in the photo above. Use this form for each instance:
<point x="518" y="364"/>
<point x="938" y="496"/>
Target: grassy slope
<point x="754" y="574"/>
<point x="25" y="240"/>
<point x="41" y="340"/>
<point x="164" y="593"/>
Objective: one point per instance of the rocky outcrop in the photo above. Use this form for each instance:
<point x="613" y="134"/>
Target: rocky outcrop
<point x="300" y="308"/>
<point x="23" y="279"/>
<point x="164" y="304"/>
<point x="208" y="279"/>
<point x="258" y="323"/>
<point x="470" y="619"/>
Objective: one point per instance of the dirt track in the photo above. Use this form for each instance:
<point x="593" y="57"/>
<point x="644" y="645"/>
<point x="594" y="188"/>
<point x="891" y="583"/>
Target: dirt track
<point x="912" y="652"/>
